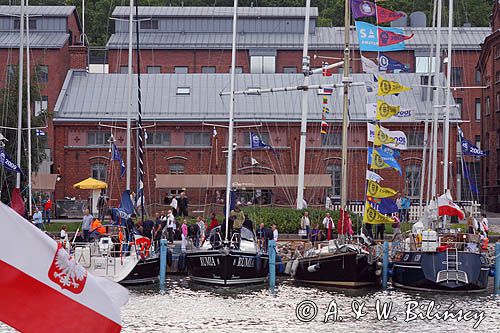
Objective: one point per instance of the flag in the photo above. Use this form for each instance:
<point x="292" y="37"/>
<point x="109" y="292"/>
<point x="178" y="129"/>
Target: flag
<point x="72" y="299"/>
<point x="369" y="66"/>
<point x="7" y="162"/>
<point x="370" y="175"/>
<point x="363" y="8"/>
<point x="390" y="151"/>
<point x="326" y="109"/>
<point x="377" y="191"/>
<point x="372" y="216"/>
<point x="386" y="87"/>
<point x="39" y="132"/>
<point x="404" y="115"/>
<point x="325" y="70"/>
<point x="385" y="110"/>
<point x="325" y="100"/>
<point x="324" y="127"/>
<point x="388" y="64"/>
<point x="116" y="156"/>
<point x="325" y="91"/>
<point x="379" y="159"/>
<point x="468" y="148"/>
<point x="17" y="202"/>
<point x="124" y="211"/>
<point x="387" y="37"/>
<point x="446" y="206"/>
<point x="384" y="206"/>
<point x="214" y="132"/>
<point x="383" y="136"/>
<point x="467" y="175"/>
<point x="254" y="161"/>
<point x="257" y="143"/>
<point x="369" y="41"/>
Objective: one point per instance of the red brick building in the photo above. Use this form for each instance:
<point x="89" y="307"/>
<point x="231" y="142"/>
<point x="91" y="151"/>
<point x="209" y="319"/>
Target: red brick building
<point x="55" y="47"/>
<point x="489" y="66"/>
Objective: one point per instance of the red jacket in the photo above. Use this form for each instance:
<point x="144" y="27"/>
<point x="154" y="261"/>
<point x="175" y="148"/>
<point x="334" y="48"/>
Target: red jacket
<point x="48" y="205"/>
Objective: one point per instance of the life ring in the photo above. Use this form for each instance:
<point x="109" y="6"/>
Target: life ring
<point x="143" y="245"/>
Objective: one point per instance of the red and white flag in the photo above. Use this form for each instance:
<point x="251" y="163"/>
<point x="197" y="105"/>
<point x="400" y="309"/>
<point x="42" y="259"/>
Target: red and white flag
<point x="43" y="289"/>
<point x="446" y="206"/>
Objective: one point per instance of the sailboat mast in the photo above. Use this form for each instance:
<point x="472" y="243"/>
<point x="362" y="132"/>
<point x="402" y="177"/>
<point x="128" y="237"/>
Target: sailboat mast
<point x="140" y="133"/>
<point x="448" y="97"/>
<point x="345" y="113"/>
<point x="28" y="109"/>
<point x="305" y="102"/>
<point x="229" y="168"/>
<point x="435" y="111"/>
<point x="20" y="94"/>
<point x="129" y="82"/>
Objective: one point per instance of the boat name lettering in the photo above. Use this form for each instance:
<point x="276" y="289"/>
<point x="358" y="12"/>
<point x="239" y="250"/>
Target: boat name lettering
<point x="207" y="261"/>
<point x="245" y="262"/>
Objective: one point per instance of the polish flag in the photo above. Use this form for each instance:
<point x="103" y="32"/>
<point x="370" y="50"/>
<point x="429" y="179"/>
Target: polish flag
<point x="43" y="289"/>
<point x="446" y="206"/>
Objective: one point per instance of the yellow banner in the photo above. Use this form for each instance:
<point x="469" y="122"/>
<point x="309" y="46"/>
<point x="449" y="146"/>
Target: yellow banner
<point x="372" y="216"/>
<point x="386" y="87"/>
<point x="377" y="191"/>
<point x="385" y="110"/>
<point x="377" y="162"/>
<point x="381" y="138"/>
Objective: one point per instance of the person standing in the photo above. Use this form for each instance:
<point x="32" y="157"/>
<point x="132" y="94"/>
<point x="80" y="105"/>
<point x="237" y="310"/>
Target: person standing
<point x="305" y="223"/>
<point x="183" y="203"/>
<point x="37" y="218"/>
<point x="184" y="235"/>
<point x="213" y="222"/>
<point x="47" y="206"/>
<point x="400" y="208"/>
<point x="328" y="224"/>
<point x="201" y="230"/>
<point x="485" y="224"/>
<point x="86" y="224"/>
<point x="64" y="237"/>
<point x="275" y="232"/>
<point x="170" y="226"/>
<point x="166" y="199"/>
<point x="470" y="224"/>
<point x="174" y="205"/>
<point x="238" y="217"/>
<point x="101" y="205"/>
<point x="405" y="207"/>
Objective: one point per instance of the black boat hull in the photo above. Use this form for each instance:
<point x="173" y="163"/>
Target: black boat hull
<point x="227" y="268"/>
<point x="421" y="271"/>
<point x="146" y="271"/>
<point x="346" y="270"/>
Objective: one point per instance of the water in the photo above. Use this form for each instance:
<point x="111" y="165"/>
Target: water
<point x="184" y="306"/>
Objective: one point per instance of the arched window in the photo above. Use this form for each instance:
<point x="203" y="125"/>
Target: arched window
<point x="176" y="168"/>
<point x="413" y="180"/>
<point x="98" y="171"/>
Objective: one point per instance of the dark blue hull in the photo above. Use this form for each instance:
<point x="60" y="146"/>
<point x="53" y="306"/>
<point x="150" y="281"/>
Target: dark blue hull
<point x="428" y="271"/>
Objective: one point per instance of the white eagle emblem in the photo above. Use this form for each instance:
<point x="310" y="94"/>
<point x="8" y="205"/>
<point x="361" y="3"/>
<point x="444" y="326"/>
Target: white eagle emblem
<point x="66" y="272"/>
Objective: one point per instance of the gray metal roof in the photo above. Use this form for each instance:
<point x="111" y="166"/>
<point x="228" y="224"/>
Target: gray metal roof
<point x="94" y="97"/>
<point x="39" y="10"/>
<point x="38" y="40"/>
<point x="216" y="11"/>
<point x="323" y="39"/>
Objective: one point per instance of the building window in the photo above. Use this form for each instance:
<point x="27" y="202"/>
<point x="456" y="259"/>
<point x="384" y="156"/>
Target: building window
<point x="198" y="139"/>
<point x="158" y="138"/>
<point x="478" y="109"/>
<point x="497" y="102"/>
<point x="154" y="69"/>
<point x="477" y="140"/>
<point x="333" y="139"/>
<point x="264" y="136"/>
<point x="497" y="77"/>
<point x="176" y="169"/>
<point x="262" y="64"/>
<point x="488" y="105"/>
<point x="478" y="76"/>
<point x="427" y="93"/>
<point x="237" y="70"/>
<point x="497" y="51"/>
<point x="41" y="106"/>
<point x="258" y="196"/>
<point x="459" y="102"/>
<point x="17" y="24"/>
<point x="98" y="171"/>
<point x="149" y="25"/>
<point x="425" y="64"/>
<point x="415" y="139"/>
<point x="208" y="69"/>
<point x="181" y="69"/>
<point x="42" y="72"/>
<point x="334" y="171"/>
<point x="12" y="72"/>
<point x="413" y="180"/>
<point x="290" y="69"/>
<point x="183" y="91"/>
<point x="95" y="138"/>
<point x="457" y="74"/>
<point x="123" y="69"/>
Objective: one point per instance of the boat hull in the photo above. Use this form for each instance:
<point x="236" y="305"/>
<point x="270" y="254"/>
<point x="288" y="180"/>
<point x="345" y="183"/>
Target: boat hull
<point x="146" y="271"/>
<point x="227" y="267"/>
<point x="425" y="271"/>
<point x="347" y="270"/>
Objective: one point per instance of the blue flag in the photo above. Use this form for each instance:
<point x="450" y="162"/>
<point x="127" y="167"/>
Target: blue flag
<point x="386" y="63"/>
<point x="368" y="38"/>
<point x="384" y="205"/>
<point x="257" y="143"/>
<point x="7" y="162"/>
<point x="388" y="159"/>
<point x="116" y="156"/>
<point x="123" y="213"/>
<point x="468" y="148"/>
<point x="472" y="183"/>
<point x="394" y="152"/>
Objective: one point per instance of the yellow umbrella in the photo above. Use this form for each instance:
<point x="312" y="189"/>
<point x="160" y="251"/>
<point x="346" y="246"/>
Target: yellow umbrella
<point x="91" y="184"/>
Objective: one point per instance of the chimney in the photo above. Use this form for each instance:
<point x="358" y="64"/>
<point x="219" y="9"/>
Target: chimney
<point x="78" y="57"/>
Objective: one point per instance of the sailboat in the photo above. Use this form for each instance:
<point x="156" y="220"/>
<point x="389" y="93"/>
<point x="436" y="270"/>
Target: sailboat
<point x="124" y="257"/>
<point x="236" y="259"/>
<point x="435" y="258"/>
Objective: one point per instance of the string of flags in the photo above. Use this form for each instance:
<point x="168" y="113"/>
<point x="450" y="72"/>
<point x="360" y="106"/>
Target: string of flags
<point x="325" y="110"/>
